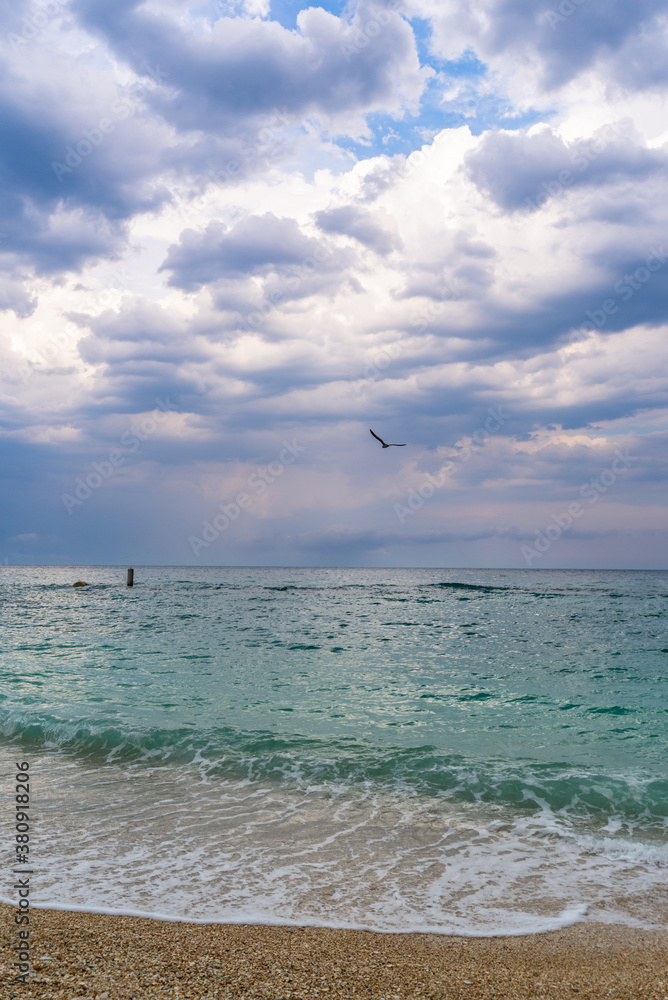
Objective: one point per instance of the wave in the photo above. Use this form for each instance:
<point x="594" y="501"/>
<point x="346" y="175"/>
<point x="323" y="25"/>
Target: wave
<point x="565" y="591"/>
<point x="588" y="797"/>
<point x="481" y="588"/>
<point x="338" y="586"/>
<point x="518" y="924"/>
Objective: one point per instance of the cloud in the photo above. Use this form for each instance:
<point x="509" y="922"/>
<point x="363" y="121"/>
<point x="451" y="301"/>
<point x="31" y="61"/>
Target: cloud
<point x="339" y="539"/>
<point x="376" y="234"/>
<point x="71" y="186"/>
<point x="140" y="353"/>
<point x="286" y="282"/>
<point x="255" y="245"/>
<point x="555" y="43"/>
<point x="14" y="295"/>
<point x="245" y="68"/>
<point x="523" y="170"/>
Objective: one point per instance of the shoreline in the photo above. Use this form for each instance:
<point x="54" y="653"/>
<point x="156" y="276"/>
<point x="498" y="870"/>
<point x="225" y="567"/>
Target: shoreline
<point x="569" y="917"/>
<point x="90" y="954"/>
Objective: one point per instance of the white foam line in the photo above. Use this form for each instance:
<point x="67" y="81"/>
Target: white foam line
<point x="571" y="915"/>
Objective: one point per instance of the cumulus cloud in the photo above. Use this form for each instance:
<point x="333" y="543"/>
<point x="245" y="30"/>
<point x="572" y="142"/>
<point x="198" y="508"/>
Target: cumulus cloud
<point x="555" y="42"/>
<point x="255" y="245"/>
<point x="245" y="68"/>
<point x="378" y="234"/>
<point x="523" y="170"/>
<point x="14" y="295"/>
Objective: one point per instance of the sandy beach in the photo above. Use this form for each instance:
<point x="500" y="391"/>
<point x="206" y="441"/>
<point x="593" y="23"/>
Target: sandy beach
<point x="118" y="958"/>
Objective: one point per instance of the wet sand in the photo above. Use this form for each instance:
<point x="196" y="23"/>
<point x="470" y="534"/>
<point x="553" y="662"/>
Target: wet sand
<point x="119" y="958"/>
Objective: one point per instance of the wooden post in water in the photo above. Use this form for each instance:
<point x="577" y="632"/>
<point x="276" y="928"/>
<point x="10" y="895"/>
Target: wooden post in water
<point x="131" y="577"/>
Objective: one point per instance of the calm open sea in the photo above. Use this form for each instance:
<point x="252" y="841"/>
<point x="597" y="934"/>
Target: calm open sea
<point x="449" y="750"/>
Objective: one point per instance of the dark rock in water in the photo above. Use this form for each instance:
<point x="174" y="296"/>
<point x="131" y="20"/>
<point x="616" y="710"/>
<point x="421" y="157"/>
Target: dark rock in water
<point x="80" y="583"/>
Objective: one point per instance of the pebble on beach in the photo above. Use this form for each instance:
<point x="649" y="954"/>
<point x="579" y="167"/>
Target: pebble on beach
<point x="133" y="958"/>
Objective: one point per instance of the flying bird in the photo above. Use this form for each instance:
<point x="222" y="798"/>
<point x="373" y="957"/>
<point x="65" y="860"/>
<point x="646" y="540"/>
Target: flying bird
<point x="383" y="443"/>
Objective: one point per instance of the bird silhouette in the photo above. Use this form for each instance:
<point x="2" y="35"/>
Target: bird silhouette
<point x="383" y="443"/>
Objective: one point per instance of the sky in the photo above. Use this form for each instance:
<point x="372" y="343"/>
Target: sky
<point x="235" y="236"/>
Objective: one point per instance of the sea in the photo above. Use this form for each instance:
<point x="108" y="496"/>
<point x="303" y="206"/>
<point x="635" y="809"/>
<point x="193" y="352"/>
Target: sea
<point x="473" y="752"/>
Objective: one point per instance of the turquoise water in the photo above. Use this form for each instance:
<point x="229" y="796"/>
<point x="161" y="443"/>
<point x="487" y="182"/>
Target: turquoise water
<point x="470" y="751"/>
